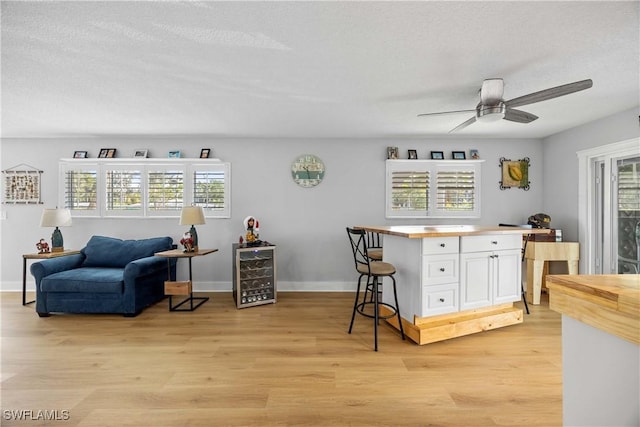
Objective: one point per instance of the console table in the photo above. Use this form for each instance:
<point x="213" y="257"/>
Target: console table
<point x="172" y="288"/>
<point x="45" y="255"/>
<point x="538" y="255"/>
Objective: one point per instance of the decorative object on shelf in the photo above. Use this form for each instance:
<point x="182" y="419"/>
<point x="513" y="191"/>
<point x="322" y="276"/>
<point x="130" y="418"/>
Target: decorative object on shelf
<point x="458" y="155"/>
<point x="22" y="184"/>
<point x="56" y="218"/>
<point x="392" y="153"/>
<point x="43" y="247"/>
<point x="107" y="153"/>
<point x="175" y="154"/>
<point x="307" y="170"/>
<point x="252" y="230"/>
<point x="187" y="242"/>
<point x="141" y="153"/>
<point x="192" y="215"/>
<point x="204" y="153"/>
<point x="413" y="154"/>
<point x="474" y="154"/>
<point x="437" y="155"/>
<point x="80" y="155"/>
<point x="515" y="173"/>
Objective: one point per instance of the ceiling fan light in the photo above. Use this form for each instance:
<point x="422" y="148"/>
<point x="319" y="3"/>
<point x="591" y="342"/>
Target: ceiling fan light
<point x="490" y="113"/>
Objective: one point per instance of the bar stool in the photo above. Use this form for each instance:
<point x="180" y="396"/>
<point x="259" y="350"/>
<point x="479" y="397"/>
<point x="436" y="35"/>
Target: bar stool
<point x="374" y="246"/>
<point x="373" y="271"/>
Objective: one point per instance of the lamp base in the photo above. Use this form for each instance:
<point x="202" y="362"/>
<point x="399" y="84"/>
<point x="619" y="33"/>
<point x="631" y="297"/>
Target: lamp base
<point x="57" y="249"/>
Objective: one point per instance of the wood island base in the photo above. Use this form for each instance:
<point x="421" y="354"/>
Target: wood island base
<point x="426" y="330"/>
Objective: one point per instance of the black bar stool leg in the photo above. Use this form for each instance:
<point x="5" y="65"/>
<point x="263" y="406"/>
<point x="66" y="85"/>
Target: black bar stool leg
<point x="375" y="313"/>
<point x="355" y="304"/>
<point x="395" y="295"/>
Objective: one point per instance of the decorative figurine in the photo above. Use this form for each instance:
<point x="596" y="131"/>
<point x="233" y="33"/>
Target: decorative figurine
<point x="187" y="242"/>
<point x="252" y="227"/>
<point x="43" y="247"/>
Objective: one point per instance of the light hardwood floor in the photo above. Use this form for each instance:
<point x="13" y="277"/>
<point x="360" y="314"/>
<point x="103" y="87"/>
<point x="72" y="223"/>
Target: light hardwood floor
<point x="286" y="364"/>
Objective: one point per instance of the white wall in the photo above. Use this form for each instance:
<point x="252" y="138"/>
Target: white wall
<point x="560" y="164"/>
<point x="307" y="225"/>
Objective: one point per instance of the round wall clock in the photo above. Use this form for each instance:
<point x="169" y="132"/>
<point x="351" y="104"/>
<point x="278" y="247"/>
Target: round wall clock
<point x="307" y="170"/>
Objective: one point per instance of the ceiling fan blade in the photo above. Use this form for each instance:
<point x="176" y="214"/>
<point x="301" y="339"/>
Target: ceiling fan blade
<point x="553" y="92"/>
<point x="463" y="125"/>
<point x="519" y="116"/>
<point x="491" y="91"/>
<point x="445" y="112"/>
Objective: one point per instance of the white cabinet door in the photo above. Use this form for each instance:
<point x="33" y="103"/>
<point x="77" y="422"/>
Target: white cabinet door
<point x="475" y="280"/>
<point x="507" y="276"/>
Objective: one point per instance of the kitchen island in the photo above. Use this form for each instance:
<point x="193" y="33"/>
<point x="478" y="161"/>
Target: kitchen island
<point x="454" y="280"/>
<point x="600" y="347"/>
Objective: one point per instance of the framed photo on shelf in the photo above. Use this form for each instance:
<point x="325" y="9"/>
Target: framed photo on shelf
<point x="437" y="155"/>
<point x="140" y="153"/>
<point x="392" y="153"/>
<point x="474" y="154"/>
<point x="204" y="153"/>
<point x="103" y="153"/>
<point x="80" y="155"/>
<point x="413" y="154"/>
<point x="175" y="154"/>
<point x="111" y="153"/>
<point x="458" y="155"/>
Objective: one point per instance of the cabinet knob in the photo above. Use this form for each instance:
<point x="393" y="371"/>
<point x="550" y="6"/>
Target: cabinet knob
<point x="494" y="242"/>
<point x="441" y="268"/>
<point x="442" y="245"/>
<point x="441" y="299"/>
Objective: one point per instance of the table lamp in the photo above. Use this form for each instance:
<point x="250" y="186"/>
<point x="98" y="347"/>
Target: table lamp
<point x="56" y="218"/>
<point x="192" y="215"/>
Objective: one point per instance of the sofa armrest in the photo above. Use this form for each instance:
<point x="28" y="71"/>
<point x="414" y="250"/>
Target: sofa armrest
<point x="46" y="267"/>
<point x="145" y="266"/>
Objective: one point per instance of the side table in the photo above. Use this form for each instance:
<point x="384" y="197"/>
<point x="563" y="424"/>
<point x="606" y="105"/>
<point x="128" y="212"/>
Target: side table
<point x="172" y="288"/>
<point x="538" y="254"/>
<point x="45" y="255"/>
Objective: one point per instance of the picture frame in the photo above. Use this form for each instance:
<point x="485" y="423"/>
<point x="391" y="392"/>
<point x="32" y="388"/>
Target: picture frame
<point x="141" y="153"/>
<point x="515" y="173"/>
<point x="437" y="155"/>
<point x="175" y="154"/>
<point x="107" y="153"/>
<point x="80" y="155"/>
<point x="413" y="154"/>
<point x="458" y="155"/>
<point x="204" y="153"/>
<point x="474" y="154"/>
<point x="392" y="153"/>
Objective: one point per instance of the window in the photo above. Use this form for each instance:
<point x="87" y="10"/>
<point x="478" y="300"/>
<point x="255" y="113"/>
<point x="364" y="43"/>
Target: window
<point x="141" y="188"/>
<point x="433" y="188"/>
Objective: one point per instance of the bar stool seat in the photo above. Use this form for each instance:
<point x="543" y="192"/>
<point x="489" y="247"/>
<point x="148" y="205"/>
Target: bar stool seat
<point x="372" y="271"/>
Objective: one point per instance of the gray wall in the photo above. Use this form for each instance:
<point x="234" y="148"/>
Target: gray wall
<point x="308" y="225"/>
<point x="560" y="164"/>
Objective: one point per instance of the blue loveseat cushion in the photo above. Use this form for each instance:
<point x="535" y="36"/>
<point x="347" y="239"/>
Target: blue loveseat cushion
<point x="103" y="251"/>
<point x="97" y="280"/>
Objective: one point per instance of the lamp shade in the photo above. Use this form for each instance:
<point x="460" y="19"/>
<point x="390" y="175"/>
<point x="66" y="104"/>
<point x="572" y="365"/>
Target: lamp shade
<point x="55" y="218"/>
<point x="192" y="215"/>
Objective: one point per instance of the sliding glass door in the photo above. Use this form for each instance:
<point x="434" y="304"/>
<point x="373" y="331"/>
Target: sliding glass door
<point x="627" y="214"/>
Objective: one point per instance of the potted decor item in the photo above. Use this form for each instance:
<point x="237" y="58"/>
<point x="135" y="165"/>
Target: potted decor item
<point x="187" y="242"/>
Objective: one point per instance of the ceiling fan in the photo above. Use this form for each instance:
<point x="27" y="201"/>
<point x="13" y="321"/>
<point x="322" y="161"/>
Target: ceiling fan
<point x="493" y="107"/>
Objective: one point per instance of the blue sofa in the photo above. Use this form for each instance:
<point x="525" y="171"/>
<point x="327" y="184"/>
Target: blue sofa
<point x="109" y="275"/>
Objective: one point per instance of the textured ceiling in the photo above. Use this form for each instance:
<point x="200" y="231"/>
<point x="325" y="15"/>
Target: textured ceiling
<point x="308" y="69"/>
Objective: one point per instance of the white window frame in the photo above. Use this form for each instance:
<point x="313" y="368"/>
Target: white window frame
<point x="188" y="167"/>
<point x="432" y="167"/>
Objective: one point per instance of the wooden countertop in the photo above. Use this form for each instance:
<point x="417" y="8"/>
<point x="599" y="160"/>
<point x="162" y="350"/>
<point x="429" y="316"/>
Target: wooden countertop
<point x="420" y="231"/>
<point x="609" y="302"/>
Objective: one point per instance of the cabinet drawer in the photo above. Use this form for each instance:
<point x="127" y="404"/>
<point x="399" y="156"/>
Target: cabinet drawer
<point x="440" y="245"/>
<point x="490" y="242"/>
<point x="440" y="269"/>
<point x="440" y="299"/>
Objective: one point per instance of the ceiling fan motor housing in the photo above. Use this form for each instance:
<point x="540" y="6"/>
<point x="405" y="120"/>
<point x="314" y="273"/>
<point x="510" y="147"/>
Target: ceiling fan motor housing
<point x="490" y="113"/>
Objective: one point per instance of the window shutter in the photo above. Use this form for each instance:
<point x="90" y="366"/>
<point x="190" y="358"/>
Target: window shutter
<point x="166" y="190"/>
<point x="456" y="190"/>
<point x="433" y="188"/>
<point x="123" y="191"/>
<point x="211" y="189"/>
<point x="629" y="185"/>
<point x="80" y="190"/>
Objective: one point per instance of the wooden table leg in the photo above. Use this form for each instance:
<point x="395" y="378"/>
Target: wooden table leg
<point x="535" y="269"/>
